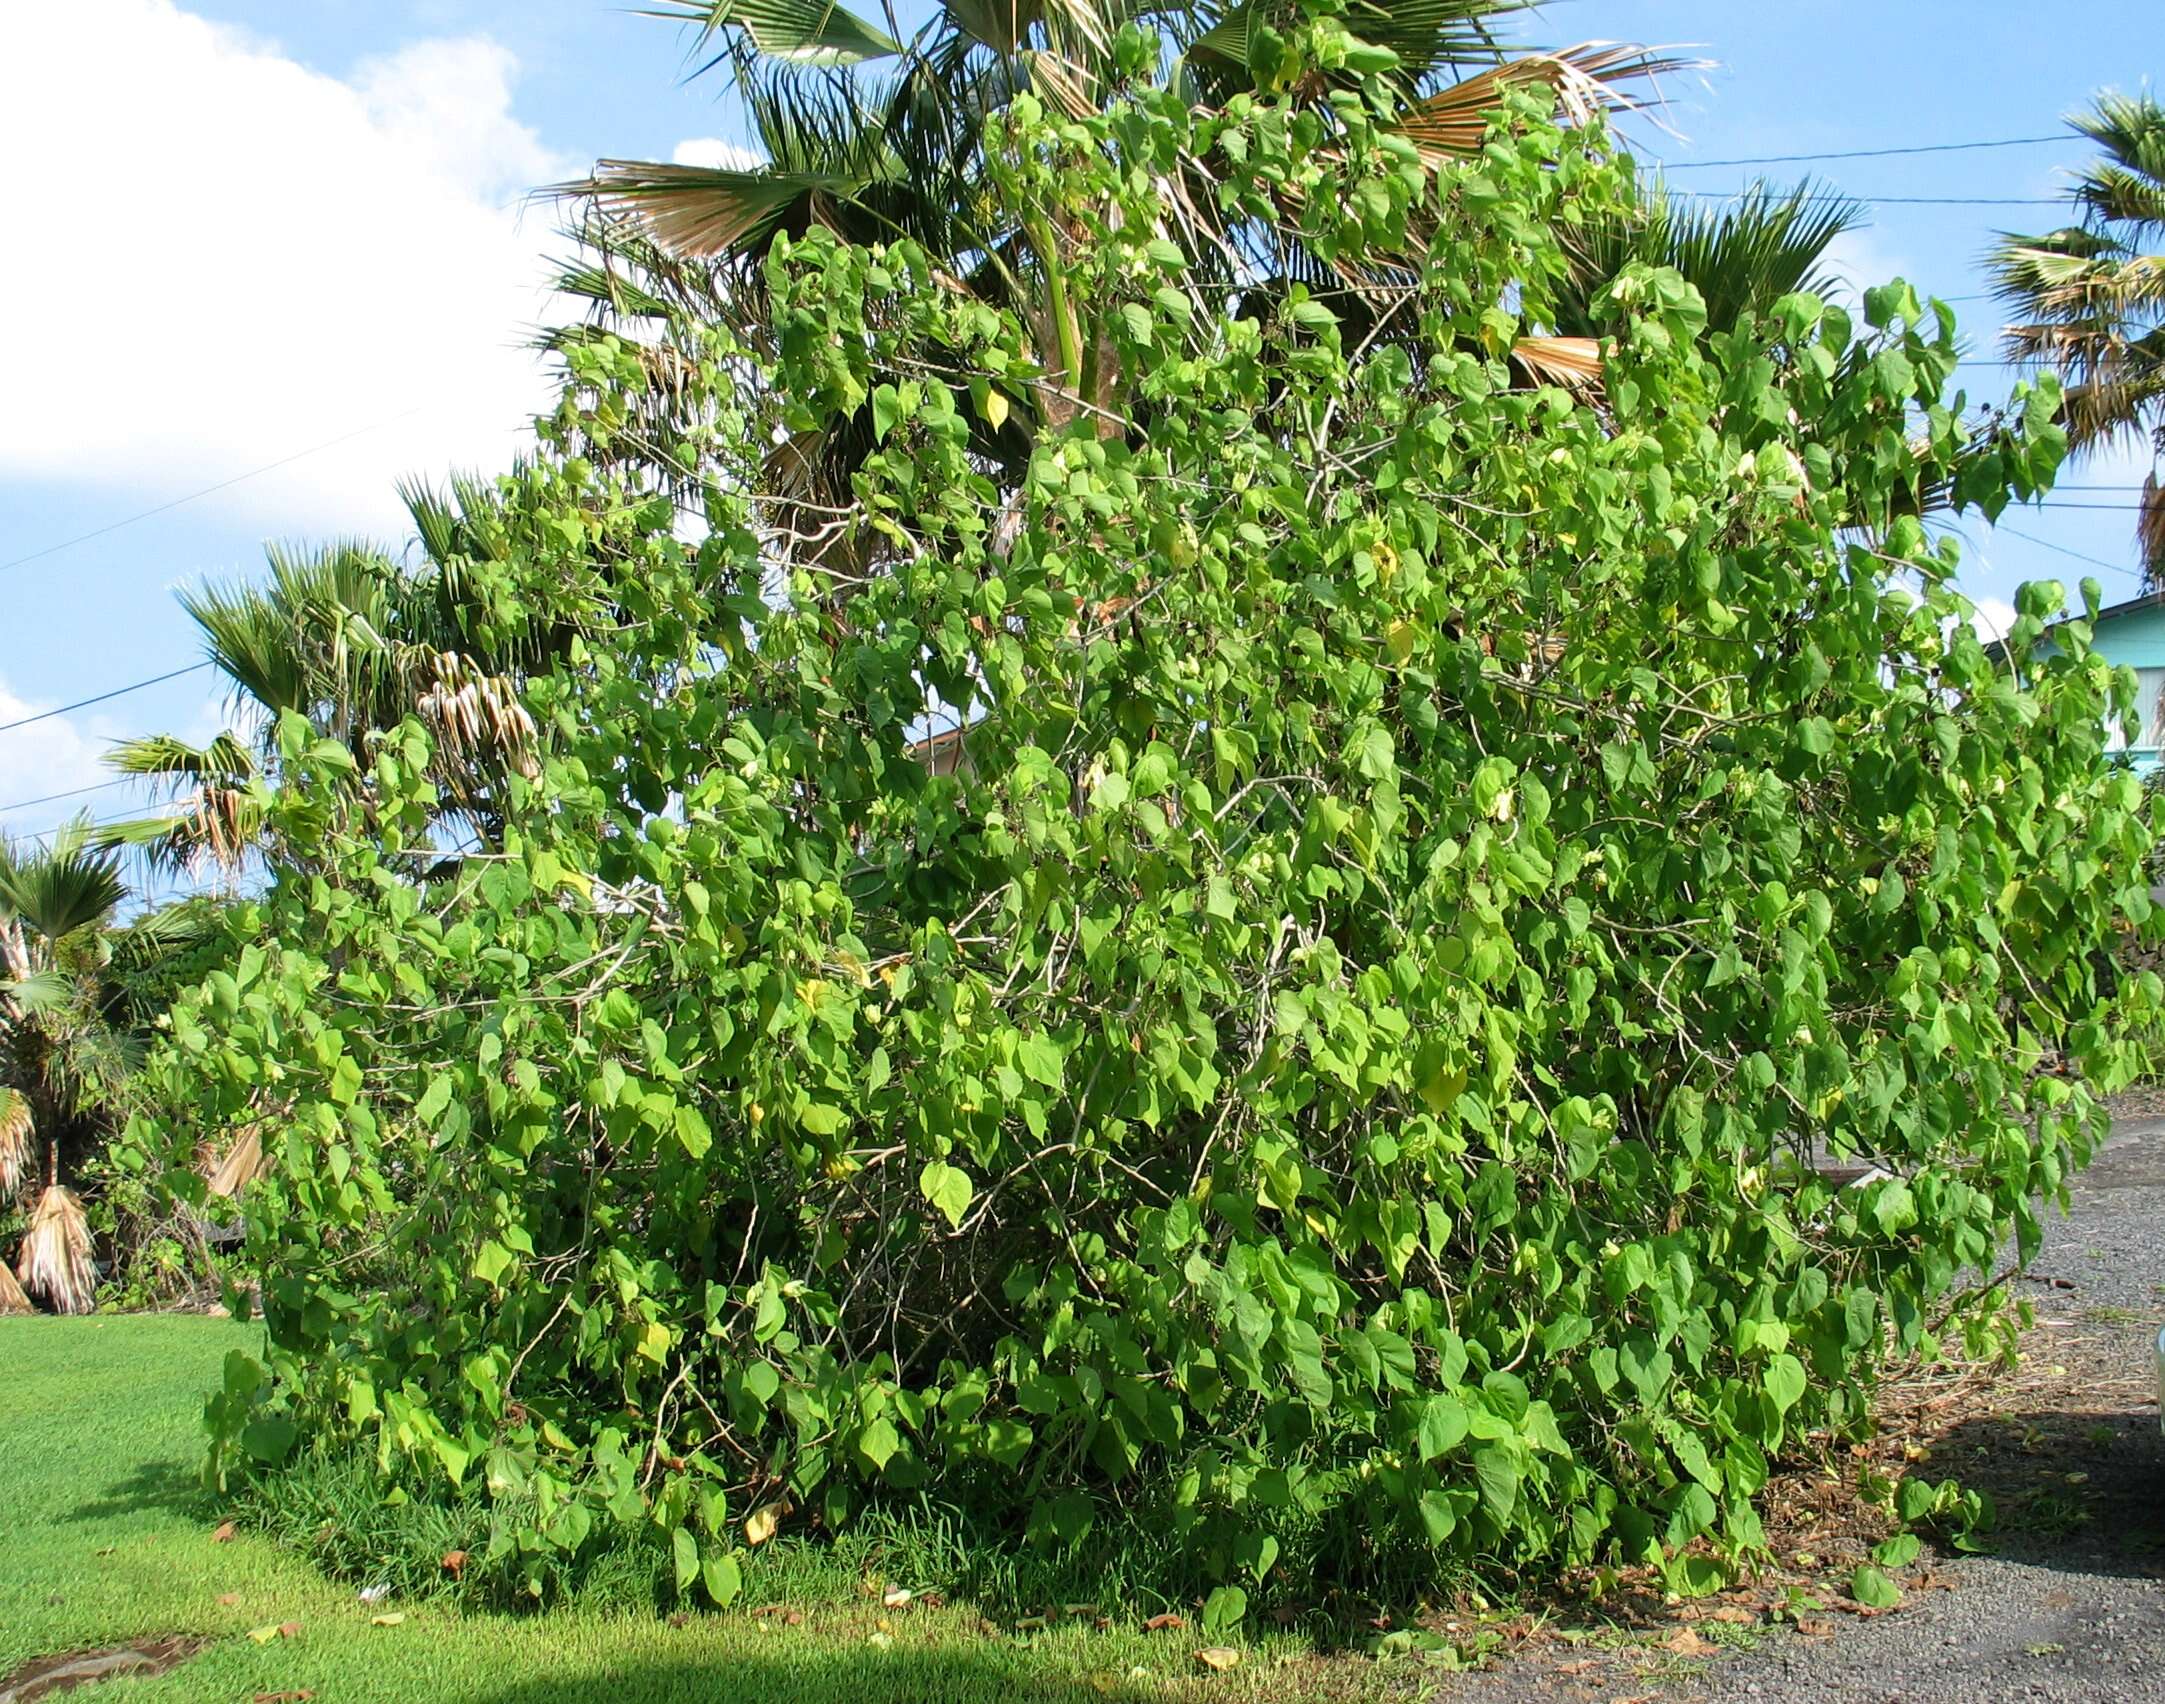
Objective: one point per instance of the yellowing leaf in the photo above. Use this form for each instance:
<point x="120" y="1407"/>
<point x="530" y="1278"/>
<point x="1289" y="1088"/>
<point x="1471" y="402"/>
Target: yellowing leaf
<point x="761" y="1524"/>
<point x="1217" y="1656"/>
<point x="390" y="1618"/>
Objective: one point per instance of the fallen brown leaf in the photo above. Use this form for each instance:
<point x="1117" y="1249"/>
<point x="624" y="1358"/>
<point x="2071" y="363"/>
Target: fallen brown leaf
<point x="1685" y="1643"/>
<point x="289" y="1630"/>
<point x="1166" y="1623"/>
<point x="1219" y="1657"/>
<point x="227" y="1532"/>
<point x="298" y="1695"/>
<point x="1735" y="1613"/>
<point x="454" y="1562"/>
<point x="227" y="1600"/>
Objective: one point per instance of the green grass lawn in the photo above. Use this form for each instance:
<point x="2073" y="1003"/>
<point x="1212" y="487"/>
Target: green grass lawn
<point x="106" y="1537"/>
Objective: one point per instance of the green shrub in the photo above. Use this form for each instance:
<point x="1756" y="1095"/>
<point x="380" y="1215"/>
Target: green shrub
<point x="1340" y="1062"/>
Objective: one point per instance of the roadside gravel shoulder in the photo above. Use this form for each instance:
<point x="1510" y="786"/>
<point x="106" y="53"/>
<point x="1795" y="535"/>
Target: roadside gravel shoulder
<point x="2069" y="1601"/>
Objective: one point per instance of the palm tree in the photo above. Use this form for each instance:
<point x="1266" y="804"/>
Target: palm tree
<point x="352" y="641"/>
<point x="2089" y="298"/>
<point x="1742" y="255"/>
<point x="877" y="139"/>
<point x="62" y="1061"/>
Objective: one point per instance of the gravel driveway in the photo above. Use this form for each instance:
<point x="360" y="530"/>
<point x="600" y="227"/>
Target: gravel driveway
<point x="2070" y="1604"/>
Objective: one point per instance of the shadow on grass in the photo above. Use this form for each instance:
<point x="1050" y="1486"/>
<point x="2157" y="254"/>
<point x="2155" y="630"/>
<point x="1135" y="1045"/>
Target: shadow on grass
<point x="2077" y="1491"/>
<point x="834" y="1675"/>
<point x="162" y="1487"/>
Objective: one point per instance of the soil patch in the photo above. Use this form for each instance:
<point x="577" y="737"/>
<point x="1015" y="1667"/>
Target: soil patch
<point x="42" y="1677"/>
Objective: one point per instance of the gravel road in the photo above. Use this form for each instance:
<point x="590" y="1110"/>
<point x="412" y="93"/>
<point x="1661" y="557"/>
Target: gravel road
<point x="2070" y="1604"/>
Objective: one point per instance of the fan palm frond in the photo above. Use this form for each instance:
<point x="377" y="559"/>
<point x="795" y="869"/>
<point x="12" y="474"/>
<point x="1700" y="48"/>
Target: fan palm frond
<point x="1573" y="363"/>
<point x="2127" y="188"/>
<point x="240" y="1165"/>
<point x="68" y="884"/>
<point x="42" y="991"/>
<point x="802" y="32"/>
<point x="224" y="759"/>
<point x="18" y="1135"/>
<point x="1427" y="35"/>
<point x="54" y="1264"/>
<point x="12" y="1299"/>
<point x="216" y="825"/>
<point x="1741" y="256"/>
<point x="708" y="210"/>
<point x="2087" y="301"/>
<point x="1451" y="122"/>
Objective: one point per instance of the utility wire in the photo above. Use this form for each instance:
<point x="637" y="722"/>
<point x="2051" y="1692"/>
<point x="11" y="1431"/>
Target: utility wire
<point x="1890" y="200"/>
<point x="2047" y="544"/>
<point x="71" y="793"/>
<point x="222" y="485"/>
<point x="91" y="822"/>
<point x="1867" y="153"/>
<point x="85" y="703"/>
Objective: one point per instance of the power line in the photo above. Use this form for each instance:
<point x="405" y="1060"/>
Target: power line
<point x="1865" y="153"/>
<point x="71" y="793"/>
<point x="87" y="822"/>
<point x="2047" y="544"/>
<point x="208" y="490"/>
<point x="117" y="692"/>
<point x="1890" y="200"/>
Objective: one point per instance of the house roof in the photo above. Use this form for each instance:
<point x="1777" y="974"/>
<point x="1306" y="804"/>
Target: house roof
<point x="1997" y="649"/>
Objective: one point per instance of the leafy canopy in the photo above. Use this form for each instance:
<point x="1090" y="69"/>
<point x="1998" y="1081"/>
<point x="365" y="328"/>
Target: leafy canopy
<point x="1330" y="1056"/>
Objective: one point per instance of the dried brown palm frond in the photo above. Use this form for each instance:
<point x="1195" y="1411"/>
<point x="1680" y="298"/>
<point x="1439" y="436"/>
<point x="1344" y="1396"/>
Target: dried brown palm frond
<point x="17" y="1129"/>
<point x="241" y="1165"/>
<point x="12" y="1299"/>
<point x="1451" y="123"/>
<point x="1572" y="363"/>
<point x="55" y="1261"/>
<point x="474" y="715"/>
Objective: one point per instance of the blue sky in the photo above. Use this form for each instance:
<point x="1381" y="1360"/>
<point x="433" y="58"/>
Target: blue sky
<point x="320" y="249"/>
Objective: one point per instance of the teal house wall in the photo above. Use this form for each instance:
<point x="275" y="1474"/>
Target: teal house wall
<point x="2132" y="634"/>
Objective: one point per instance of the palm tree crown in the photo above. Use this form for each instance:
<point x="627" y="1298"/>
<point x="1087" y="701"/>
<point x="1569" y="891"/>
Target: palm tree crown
<point x="2089" y="298"/>
<point x="60" y="1057"/>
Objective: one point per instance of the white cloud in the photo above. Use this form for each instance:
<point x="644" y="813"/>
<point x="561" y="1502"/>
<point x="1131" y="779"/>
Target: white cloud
<point x="1993" y="617"/>
<point x="715" y="151"/>
<point x="1860" y="262"/>
<point x="239" y="258"/>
